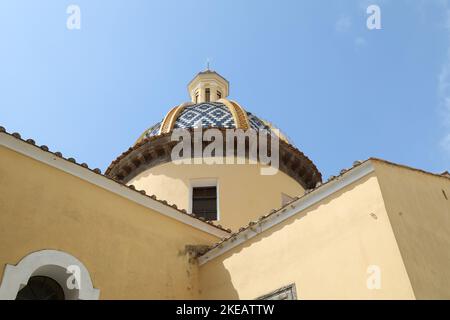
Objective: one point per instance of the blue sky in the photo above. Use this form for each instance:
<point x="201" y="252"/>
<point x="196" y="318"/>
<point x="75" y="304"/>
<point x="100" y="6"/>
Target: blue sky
<point x="341" y="92"/>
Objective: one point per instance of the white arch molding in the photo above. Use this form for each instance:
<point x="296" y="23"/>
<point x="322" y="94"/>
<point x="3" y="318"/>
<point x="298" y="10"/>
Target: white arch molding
<point x="50" y="263"/>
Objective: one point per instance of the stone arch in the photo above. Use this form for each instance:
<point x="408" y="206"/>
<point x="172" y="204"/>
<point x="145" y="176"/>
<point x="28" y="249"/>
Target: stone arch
<point x="68" y="271"/>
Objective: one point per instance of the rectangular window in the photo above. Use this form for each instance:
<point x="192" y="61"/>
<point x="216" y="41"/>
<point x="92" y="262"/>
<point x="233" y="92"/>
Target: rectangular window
<point x="286" y="293"/>
<point x="207" y="95"/>
<point x="196" y="97"/>
<point x="204" y="202"/>
<point x="219" y="95"/>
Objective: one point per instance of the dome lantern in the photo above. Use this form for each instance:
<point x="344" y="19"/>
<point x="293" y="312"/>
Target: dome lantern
<point x="208" y="86"/>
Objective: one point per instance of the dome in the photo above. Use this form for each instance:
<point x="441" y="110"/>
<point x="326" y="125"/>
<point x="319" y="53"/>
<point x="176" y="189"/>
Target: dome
<point x="210" y="107"/>
<point x="222" y="114"/>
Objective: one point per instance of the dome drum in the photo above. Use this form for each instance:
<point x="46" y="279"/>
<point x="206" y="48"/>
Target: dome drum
<point x="156" y="150"/>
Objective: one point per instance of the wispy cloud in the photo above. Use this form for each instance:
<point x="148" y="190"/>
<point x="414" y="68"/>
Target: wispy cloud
<point x="444" y="105"/>
<point x="363" y="4"/>
<point x="343" y="24"/>
<point x="445" y="143"/>
<point x="360" y="42"/>
<point x="444" y="87"/>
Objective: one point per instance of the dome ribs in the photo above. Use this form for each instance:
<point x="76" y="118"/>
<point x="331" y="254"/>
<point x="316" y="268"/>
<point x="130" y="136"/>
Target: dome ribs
<point x="167" y="123"/>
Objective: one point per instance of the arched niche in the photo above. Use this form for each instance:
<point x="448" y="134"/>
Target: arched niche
<point x="68" y="271"/>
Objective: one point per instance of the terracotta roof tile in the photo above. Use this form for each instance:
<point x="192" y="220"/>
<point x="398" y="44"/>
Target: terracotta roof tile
<point x="272" y="212"/>
<point x="315" y="173"/>
<point x="98" y="171"/>
<point x="442" y="175"/>
<point x="342" y="172"/>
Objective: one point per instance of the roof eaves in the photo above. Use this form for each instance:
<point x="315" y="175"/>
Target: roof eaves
<point x="441" y="175"/>
<point x="252" y="226"/>
<point x="97" y="171"/>
<point x="298" y="204"/>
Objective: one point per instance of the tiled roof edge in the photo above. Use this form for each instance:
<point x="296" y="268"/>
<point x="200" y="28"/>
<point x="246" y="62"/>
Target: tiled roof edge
<point x="44" y="148"/>
<point x="253" y="225"/>
<point x="204" y="258"/>
<point x="441" y="175"/>
<point x="290" y="146"/>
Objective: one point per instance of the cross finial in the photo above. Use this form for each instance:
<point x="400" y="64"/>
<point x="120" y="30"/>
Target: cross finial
<point x="207" y="64"/>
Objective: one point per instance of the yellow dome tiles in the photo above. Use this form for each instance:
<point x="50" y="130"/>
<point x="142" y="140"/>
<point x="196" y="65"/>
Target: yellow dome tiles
<point x="239" y="115"/>
<point x="171" y="117"/>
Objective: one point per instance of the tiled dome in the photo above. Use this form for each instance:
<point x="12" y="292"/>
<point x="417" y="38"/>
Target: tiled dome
<point x="219" y="114"/>
<point x="209" y="107"/>
<point x="210" y="114"/>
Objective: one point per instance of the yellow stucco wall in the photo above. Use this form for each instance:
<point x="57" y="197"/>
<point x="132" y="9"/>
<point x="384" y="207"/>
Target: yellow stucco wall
<point x="244" y="194"/>
<point x="420" y="217"/>
<point x="395" y="218"/>
<point x="130" y="251"/>
<point x="325" y="250"/>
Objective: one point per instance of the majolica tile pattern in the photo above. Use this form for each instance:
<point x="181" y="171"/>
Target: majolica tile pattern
<point x="153" y="131"/>
<point x="256" y="123"/>
<point x="210" y="114"/>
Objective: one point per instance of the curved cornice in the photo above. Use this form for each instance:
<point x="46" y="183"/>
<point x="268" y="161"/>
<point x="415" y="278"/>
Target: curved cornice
<point x="275" y="130"/>
<point x="157" y="150"/>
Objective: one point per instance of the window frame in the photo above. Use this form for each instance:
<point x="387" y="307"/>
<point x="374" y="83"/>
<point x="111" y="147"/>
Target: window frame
<point x="204" y="182"/>
<point x="197" y="96"/>
<point x="286" y="289"/>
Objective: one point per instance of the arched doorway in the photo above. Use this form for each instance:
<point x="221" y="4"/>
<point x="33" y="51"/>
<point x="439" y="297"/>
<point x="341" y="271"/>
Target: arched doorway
<point x="45" y="275"/>
<point x="41" y="288"/>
